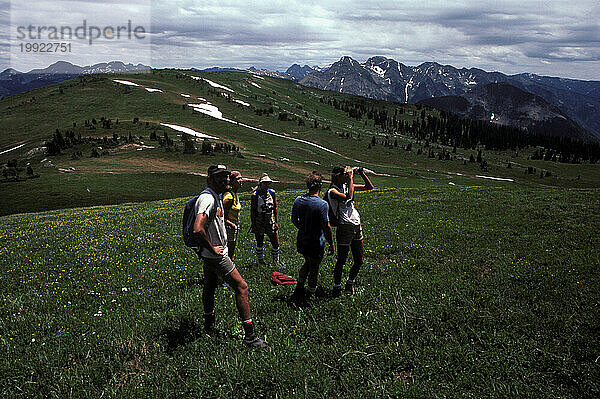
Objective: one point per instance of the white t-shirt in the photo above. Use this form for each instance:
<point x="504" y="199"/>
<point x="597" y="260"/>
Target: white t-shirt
<point x="209" y="203"/>
<point x="344" y="209"/>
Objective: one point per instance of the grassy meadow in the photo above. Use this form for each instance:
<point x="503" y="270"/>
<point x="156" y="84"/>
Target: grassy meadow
<point x="472" y="286"/>
<point x="31" y="118"/>
<point x="466" y="291"/>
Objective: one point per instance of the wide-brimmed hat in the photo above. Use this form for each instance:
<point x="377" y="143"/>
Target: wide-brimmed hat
<point x="264" y="178"/>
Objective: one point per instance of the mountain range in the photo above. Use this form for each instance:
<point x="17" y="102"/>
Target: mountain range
<point x="386" y="79"/>
<point x="14" y="82"/>
<point x="571" y="107"/>
<point x="504" y="104"/>
<point x="294" y="72"/>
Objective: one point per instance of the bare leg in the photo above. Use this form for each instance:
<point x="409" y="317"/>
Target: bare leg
<point x="274" y="238"/>
<point x="240" y="288"/>
<point x="260" y="238"/>
<point x="313" y="272"/>
<point x="339" y="264"/>
<point x="259" y="247"/>
<point x="358" y="251"/>
<point x="211" y="280"/>
<point x="310" y="270"/>
<point x="303" y="272"/>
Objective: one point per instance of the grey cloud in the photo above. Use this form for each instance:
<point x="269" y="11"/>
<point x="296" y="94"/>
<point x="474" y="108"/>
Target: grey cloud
<point x="511" y="36"/>
<point x="250" y="35"/>
<point x="4" y="35"/>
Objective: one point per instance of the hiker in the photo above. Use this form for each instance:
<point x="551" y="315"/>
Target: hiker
<point x="348" y="233"/>
<point x="310" y="216"/>
<point x="232" y="206"/>
<point x="264" y="218"/>
<point x="209" y="227"/>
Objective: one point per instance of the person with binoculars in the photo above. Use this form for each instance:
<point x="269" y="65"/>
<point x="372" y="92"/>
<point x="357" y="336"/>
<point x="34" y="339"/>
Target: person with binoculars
<point x="349" y="234"/>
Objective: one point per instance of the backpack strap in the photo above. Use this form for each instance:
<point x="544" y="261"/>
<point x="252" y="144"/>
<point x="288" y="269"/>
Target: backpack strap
<point x="213" y="213"/>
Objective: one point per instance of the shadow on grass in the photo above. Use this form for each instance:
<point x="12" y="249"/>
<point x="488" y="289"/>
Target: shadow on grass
<point x="320" y="296"/>
<point x="187" y="331"/>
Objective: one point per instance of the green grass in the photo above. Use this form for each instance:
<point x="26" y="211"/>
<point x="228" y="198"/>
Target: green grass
<point x="466" y="292"/>
<point x="471" y="287"/>
<point x="58" y="191"/>
<point x="32" y="118"/>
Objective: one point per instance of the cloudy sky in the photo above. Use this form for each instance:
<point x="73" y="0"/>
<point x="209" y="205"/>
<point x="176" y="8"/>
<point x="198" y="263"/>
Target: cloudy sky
<point x="551" y="37"/>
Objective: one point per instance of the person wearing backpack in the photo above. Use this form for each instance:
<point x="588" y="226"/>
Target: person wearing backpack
<point x="310" y="216"/>
<point x="209" y="230"/>
<point x="348" y="234"/>
<point x="264" y="218"/>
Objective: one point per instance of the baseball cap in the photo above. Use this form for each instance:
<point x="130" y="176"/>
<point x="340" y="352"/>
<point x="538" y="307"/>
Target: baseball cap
<point x="214" y="170"/>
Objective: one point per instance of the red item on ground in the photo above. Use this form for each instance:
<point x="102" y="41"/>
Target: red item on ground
<point x="278" y="278"/>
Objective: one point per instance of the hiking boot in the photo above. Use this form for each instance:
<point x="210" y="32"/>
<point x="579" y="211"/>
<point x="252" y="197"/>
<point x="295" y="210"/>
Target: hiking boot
<point x="254" y="341"/>
<point x="350" y="289"/>
<point x="336" y="292"/>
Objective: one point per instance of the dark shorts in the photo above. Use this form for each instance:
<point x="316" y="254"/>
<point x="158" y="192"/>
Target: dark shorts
<point x="345" y="234"/>
<point x="220" y="266"/>
<point x="264" y="224"/>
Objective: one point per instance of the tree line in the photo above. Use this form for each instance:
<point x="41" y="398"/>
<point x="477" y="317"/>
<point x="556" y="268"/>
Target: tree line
<point x="452" y="130"/>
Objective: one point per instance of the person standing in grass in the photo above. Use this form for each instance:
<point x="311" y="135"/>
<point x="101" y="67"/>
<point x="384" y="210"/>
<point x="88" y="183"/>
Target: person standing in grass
<point x="310" y="216"/>
<point x="348" y="233"/>
<point x="232" y="206"/>
<point x="209" y="226"/>
<point x="264" y="218"/>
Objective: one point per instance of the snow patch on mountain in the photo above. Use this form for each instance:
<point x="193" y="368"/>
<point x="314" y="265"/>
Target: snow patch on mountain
<point x="126" y="82"/>
<point x="189" y="131"/>
<point x="218" y="86"/>
<point x="377" y="69"/>
<point x="12" y="149"/>
<point x="207" y="109"/>
<point x="494" y="178"/>
<point x="242" y="102"/>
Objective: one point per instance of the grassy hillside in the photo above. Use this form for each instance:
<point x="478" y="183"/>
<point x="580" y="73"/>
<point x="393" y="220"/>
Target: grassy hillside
<point x="466" y="292"/>
<point x="30" y="119"/>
